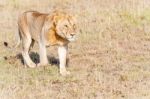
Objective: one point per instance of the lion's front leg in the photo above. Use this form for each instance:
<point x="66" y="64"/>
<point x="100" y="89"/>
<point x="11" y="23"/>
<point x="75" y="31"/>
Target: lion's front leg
<point x="62" y="52"/>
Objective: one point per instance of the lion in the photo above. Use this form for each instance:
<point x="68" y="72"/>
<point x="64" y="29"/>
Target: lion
<point x="47" y="29"/>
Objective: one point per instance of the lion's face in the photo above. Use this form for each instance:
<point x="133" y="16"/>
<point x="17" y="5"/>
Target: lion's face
<point x="66" y="27"/>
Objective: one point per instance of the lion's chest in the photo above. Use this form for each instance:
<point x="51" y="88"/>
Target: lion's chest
<point x="53" y="39"/>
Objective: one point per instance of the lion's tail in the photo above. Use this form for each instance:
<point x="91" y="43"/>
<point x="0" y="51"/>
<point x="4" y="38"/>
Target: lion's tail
<point x="18" y="41"/>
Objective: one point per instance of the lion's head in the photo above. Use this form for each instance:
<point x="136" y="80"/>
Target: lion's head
<point x="65" y="25"/>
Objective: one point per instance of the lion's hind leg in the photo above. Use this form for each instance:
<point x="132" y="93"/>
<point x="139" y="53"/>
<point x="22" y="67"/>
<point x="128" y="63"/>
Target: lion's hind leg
<point x="26" y="43"/>
<point x="43" y="54"/>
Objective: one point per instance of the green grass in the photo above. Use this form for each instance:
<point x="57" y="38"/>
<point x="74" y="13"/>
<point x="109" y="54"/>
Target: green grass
<point x="146" y="15"/>
<point x="20" y="81"/>
<point x="130" y="18"/>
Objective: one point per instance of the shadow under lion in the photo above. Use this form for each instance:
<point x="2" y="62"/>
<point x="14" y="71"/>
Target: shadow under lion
<point x="35" y="58"/>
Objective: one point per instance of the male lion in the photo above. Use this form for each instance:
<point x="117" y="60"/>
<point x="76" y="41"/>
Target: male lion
<point x="56" y="28"/>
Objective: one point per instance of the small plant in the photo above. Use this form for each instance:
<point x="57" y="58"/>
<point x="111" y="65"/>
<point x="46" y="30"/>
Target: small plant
<point x="15" y="3"/>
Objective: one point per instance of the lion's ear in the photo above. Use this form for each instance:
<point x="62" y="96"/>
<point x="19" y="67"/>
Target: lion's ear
<point x="73" y="19"/>
<point x="56" y="19"/>
<point x="53" y="18"/>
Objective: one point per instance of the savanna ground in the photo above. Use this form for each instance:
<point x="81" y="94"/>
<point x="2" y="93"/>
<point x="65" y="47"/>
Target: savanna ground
<point x="110" y="59"/>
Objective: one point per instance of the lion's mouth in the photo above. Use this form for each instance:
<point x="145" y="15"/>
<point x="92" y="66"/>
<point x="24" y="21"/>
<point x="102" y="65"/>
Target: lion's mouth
<point x="71" y="38"/>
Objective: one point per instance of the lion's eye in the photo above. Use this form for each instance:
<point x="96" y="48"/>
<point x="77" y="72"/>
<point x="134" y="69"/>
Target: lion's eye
<point x="66" y="26"/>
<point x="74" y="26"/>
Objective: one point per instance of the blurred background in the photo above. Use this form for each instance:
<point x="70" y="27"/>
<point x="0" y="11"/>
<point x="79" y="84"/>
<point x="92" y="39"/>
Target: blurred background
<point x="99" y="13"/>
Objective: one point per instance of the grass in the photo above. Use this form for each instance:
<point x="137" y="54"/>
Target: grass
<point x="110" y="59"/>
<point x="146" y="14"/>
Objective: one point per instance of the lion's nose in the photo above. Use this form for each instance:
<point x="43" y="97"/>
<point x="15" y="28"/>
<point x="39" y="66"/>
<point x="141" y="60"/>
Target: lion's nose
<point x="72" y="34"/>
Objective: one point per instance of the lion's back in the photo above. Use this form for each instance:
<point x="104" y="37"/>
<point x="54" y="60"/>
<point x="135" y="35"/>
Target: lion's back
<point x="31" y="22"/>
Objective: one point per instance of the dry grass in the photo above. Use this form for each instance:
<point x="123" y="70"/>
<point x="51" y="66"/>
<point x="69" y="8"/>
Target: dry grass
<point x="110" y="59"/>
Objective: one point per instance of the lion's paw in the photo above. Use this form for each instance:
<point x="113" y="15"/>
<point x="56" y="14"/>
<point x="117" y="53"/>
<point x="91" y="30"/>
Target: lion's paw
<point x="64" y="72"/>
<point x="41" y="64"/>
<point x="32" y="65"/>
